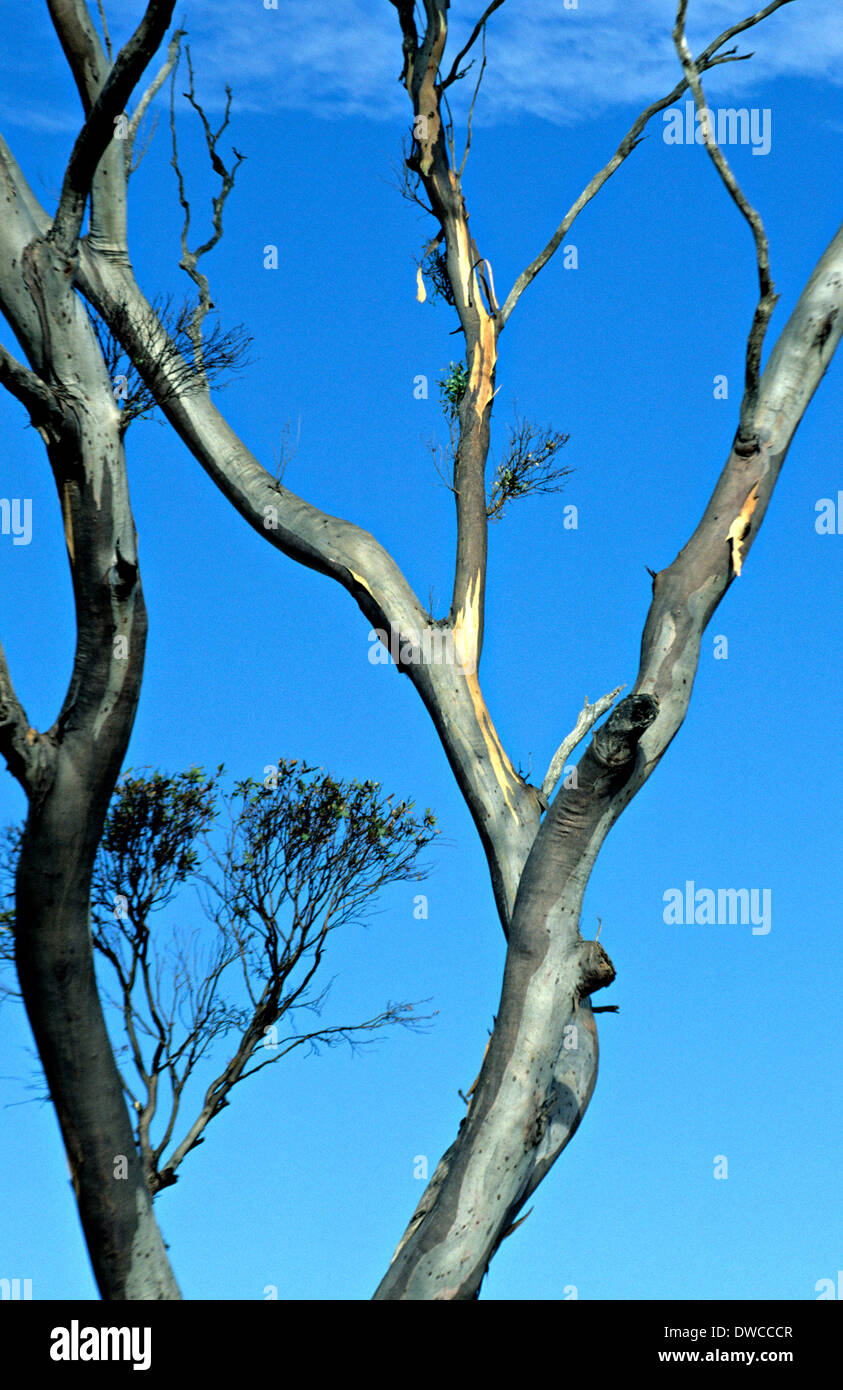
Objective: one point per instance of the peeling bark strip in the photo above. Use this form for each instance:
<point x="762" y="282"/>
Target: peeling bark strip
<point x="739" y="528"/>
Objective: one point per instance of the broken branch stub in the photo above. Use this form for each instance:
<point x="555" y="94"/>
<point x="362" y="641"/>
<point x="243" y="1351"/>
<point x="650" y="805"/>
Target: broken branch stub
<point x="615" y="742"/>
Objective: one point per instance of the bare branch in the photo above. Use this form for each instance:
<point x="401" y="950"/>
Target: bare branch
<point x="347" y="1032"/>
<point x="15" y="729"/>
<point x="169" y="65"/>
<point x="471" y="109"/>
<point x="190" y="259"/>
<point x="528" y="467"/>
<point x="449" y="132"/>
<point x="286" y="454"/>
<point x="105" y="33"/>
<point x="29" y="755"/>
<point x="588" y="715"/>
<point x="29" y="389"/>
<point x="99" y="126"/>
<point x="170" y="361"/>
<point x="407" y="181"/>
<point x="767" y="300"/>
<point x="633" y="137"/>
<point x="454" y="75"/>
<point x="409" y="38"/>
<point x="443" y="462"/>
<point x="81" y="46"/>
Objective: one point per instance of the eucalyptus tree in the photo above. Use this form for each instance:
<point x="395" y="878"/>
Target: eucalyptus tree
<point x="541" y="841"/>
<point x="68" y="771"/>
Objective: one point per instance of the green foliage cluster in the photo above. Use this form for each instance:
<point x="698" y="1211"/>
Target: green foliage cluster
<point x="148" y="846"/>
<point x="452" y="388"/>
<point x="302" y="854"/>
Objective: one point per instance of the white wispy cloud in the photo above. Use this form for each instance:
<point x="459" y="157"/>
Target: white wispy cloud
<point x="341" y="59"/>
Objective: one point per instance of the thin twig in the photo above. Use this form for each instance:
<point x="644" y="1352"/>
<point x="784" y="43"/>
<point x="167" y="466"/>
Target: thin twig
<point x="455" y="74"/>
<point x="105" y="33"/>
<point x="589" y="714"/>
<point x="190" y="259"/>
<point x="285" y="457"/>
<point x="449" y="133"/>
<point x="767" y="297"/>
<point x="633" y="137"/>
<point x="471" y="108"/>
<point x="168" y="66"/>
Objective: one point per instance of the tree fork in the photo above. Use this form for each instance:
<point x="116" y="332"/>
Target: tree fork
<point x="540" y="1067"/>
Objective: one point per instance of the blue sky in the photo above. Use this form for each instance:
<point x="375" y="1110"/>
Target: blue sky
<point x="727" y="1042"/>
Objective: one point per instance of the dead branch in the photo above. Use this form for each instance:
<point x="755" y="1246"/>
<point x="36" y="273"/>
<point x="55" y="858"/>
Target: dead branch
<point x="30" y="390"/>
<point x="168" y="66"/>
<point x="471" y="108"/>
<point x="406" y="179"/>
<point x="285" y="455"/>
<point x="173" y="367"/>
<point x="190" y="258"/>
<point x="454" y="75"/>
<point x="633" y="137"/>
<point x="105" y="34"/>
<point x="767" y="297"/>
<point x="588" y="715"/>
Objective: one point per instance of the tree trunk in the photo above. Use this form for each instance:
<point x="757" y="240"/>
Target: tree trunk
<point x="56" y="972"/>
<point x="70" y="771"/>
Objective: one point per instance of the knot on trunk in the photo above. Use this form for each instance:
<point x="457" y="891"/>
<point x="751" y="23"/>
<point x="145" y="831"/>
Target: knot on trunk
<point x="616" y="741"/>
<point x="596" y="970"/>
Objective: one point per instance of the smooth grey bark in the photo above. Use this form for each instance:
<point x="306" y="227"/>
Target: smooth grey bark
<point x="540" y="1067"/>
<point x="69" y="771"/>
<point x="68" y="774"/>
<point x="521" y="1116"/>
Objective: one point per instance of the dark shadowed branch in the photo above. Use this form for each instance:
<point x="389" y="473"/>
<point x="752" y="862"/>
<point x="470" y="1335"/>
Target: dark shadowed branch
<point x="100" y="124"/>
<point x="455" y="72"/>
<point x="170" y="359"/>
